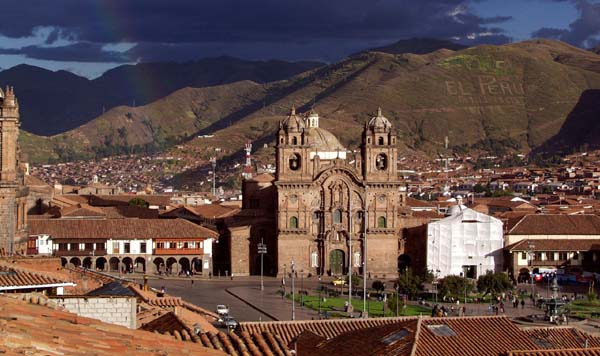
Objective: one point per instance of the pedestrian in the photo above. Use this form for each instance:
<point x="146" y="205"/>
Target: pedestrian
<point x="522" y="303"/>
<point x="192" y="282"/>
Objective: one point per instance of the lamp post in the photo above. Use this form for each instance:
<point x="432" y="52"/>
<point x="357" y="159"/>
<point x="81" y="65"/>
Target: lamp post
<point x="365" y="219"/>
<point x="262" y="249"/>
<point x="397" y="296"/>
<point x="350" y="253"/>
<point x="292" y="265"/>
<point x="530" y="254"/>
<point x="283" y="280"/>
<point x="301" y="288"/>
<point x="320" y="289"/>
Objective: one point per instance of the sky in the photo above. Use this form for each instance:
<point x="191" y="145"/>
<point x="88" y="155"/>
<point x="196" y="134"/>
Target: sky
<point x="88" y="37"/>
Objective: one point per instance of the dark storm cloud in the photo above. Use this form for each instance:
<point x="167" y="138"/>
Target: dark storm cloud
<point x="583" y="31"/>
<point x="78" y="52"/>
<point x="185" y="27"/>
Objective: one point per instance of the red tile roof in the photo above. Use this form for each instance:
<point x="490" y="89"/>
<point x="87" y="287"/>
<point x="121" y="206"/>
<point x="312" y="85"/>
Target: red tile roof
<point x="36" y="329"/>
<point x="555" y="245"/>
<point x="119" y="228"/>
<point x="289" y="330"/>
<point x="564" y="352"/>
<point x="557" y="225"/>
<point x="562" y="337"/>
<point x="14" y="278"/>
<point x="475" y="336"/>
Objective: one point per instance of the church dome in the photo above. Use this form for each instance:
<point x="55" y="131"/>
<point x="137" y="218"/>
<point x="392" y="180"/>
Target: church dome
<point x="293" y="122"/>
<point x="322" y="140"/>
<point x="380" y="122"/>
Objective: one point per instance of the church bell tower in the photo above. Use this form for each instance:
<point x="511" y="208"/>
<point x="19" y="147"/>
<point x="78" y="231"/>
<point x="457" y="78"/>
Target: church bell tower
<point x="11" y="210"/>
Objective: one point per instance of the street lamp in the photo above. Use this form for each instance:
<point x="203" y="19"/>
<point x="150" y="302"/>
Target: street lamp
<point x="365" y="219"/>
<point x="283" y="280"/>
<point x="292" y="265"/>
<point x="301" y="288"/>
<point x="530" y="254"/>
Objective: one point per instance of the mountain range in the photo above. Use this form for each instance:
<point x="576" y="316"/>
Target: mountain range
<point x="485" y="98"/>
<point x="54" y="102"/>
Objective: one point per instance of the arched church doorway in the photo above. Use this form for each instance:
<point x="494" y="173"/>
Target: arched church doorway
<point x="336" y="262"/>
<point x="404" y="262"/>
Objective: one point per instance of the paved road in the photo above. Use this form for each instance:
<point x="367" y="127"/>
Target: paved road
<point x="209" y="293"/>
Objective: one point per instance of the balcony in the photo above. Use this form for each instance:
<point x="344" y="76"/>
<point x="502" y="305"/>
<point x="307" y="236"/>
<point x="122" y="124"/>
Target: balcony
<point x="555" y="263"/>
<point x="60" y="253"/>
<point x="178" y="251"/>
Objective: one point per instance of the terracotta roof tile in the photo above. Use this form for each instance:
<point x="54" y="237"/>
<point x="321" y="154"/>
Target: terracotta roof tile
<point x="556" y="245"/>
<point x="562" y="338"/>
<point x="557" y="225"/>
<point x="476" y="336"/>
<point x="36" y="329"/>
<point x="564" y="352"/>
<point x="289" y="330"/>
<point x="15" y="278"/>
<point x="119" y="228"/>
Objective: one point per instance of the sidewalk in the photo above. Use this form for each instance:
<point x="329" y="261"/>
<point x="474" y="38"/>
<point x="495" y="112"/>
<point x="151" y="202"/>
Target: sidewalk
<point x="271" y="304"/>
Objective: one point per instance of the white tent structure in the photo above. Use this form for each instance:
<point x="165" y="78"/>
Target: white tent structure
<point x="466" y="243"/>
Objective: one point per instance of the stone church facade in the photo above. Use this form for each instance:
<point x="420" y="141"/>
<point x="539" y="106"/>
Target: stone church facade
<point x="322" y="206"/>
<point x="13" y="193"/>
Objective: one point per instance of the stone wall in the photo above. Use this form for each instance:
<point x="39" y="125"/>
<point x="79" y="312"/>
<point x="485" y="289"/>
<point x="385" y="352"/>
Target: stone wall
<point x="112" y="310"/>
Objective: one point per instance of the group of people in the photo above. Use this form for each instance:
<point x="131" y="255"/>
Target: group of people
<point x="442" y="311"/>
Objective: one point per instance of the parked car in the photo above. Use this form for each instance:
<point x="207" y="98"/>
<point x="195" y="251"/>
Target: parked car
<point x="222" y="309"/>
<point x="229" y="322"/>
<point x="339" y="282"/>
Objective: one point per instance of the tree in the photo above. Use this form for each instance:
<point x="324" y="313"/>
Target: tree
<point x="455" y="286"/>
<point x="493" y="283"/>
<point x="478" y="188"/>
<point x="355" y="280"/>
<point x="139" y="202"/>
<point x="378" y="286"/>
<point x="409" y="283"/>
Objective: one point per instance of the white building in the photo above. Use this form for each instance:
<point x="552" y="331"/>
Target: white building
<point x="466" y="243"/>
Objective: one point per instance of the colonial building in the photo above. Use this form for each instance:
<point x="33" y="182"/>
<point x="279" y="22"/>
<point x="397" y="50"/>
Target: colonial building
<point x="13" y="193"/>
<point x="140" y="245"/>
<point x="323" y="205"/>
<point x="553" y="241"/>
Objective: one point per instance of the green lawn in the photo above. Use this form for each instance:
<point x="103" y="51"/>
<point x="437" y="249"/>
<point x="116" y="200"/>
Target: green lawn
<point x="332" y="305"/>
<point x="586" y="309"/>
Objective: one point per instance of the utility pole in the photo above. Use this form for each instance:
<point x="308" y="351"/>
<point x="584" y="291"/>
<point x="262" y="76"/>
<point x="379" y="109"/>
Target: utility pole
<point x="293" y="290"/>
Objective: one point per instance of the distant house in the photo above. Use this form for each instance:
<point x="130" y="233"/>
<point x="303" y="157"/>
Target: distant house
<point x="143" y="245"/>
<point x="466" y="243"/>
<point x="552" y="241"/>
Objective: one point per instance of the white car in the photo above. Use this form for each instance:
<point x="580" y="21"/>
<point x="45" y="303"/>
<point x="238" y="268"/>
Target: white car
<point x="222" y="309"/>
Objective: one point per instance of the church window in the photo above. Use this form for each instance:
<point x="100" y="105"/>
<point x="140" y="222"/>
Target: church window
<point x="381" y="162"/>
<point x="294" y="141"/>
<point x="380" y="141"/>
<point x="295" y="162"/>
<point x="369" y="140"/>
<point x="293" y="222"/>
<point x="337" y="216"/>
<point x="315" y="215"/>
<point x="381" y="222"/>
<point x="314" y="260"/>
